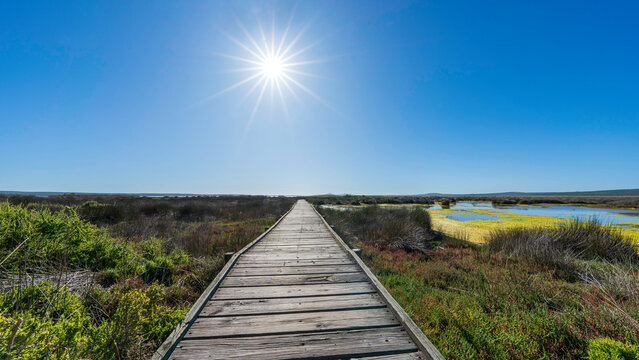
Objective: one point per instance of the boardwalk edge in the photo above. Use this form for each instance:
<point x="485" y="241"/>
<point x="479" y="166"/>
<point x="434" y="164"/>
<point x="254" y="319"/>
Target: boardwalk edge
<point x="167" y="347"/>
<point x="415" y="333"/>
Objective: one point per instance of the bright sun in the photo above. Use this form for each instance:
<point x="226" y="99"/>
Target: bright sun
<point x="273" y="67"/>
<point x="274" y="64"/>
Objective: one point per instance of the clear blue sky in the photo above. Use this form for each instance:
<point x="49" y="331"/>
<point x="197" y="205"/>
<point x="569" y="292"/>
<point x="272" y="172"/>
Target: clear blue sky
<point x="448" y="96"/>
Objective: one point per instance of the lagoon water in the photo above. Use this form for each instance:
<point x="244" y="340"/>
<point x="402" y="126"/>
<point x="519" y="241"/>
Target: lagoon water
<point x="604" y="215"/>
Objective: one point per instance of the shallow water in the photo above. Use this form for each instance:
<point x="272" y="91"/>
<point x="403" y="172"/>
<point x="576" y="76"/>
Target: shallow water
<point x="604" y="215"/>
<point x="465" y="216"/>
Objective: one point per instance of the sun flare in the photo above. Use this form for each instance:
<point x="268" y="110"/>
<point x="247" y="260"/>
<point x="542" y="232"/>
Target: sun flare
<point x="274" y="63"/>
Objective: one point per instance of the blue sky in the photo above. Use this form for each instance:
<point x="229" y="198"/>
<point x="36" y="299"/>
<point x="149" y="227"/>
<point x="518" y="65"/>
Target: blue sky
<point x="417" y="97"/>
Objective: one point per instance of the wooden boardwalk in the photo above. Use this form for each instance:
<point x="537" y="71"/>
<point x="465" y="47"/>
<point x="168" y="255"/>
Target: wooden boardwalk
<point x="297" y="292"/>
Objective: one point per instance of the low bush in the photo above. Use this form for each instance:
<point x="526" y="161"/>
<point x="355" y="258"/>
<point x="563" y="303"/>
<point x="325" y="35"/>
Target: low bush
<point x="608" y="349"/>
<point x="60" y="239"/>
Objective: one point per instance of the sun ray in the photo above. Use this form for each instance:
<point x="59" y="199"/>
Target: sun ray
<point x="247" y="69"/>
<point x="236" y="85"/>
<point x="305" y="89"/>
<point x="294" y="41"/>
<point x="243" y="46"/>
<point x="253" y="88"/>
<point x="288" y="27"/>
<point x="279" y="91"/>
<point x="251" y="39"/>
<point x="264" y="39"/>
<point x="305" y="62"/>
<point x="257" y="105"/>
<point x="303" y="73"/>
<point x="290" y="90"/>
<point x="254" y="62"/>
<point x="299" y="52"/>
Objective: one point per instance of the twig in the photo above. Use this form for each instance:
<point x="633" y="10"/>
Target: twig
<point x="14" y="331"/>
<point x="14" y="250"/>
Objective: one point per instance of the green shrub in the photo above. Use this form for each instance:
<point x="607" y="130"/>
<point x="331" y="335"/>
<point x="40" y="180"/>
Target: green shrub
<point x="47" y="322"/>
<point x="152" y="248"/>
<point x="608" y="349"/>
<point x="37" y="338"/>
<point x="102" y="213"/>
<point x="59" y="239"/>
<point x="164" y="267"/>
<point x="140" y="322"/>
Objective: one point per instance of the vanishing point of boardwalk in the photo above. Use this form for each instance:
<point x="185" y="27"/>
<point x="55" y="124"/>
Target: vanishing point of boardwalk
<point x="297" y="292"/>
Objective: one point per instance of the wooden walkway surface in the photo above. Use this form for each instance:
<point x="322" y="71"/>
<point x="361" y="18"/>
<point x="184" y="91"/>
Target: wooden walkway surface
<point x="297" y="292"/>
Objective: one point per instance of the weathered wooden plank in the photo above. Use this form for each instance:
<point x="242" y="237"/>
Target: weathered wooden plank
<point x="242" y="326"/>
<point x="268" y="292"/>
<point x="279" y="263"/>
<point x="289" y="247"/>
<point x="300" y="241"/>
<point x="308" y="243"/>
<point x="308" y="252"/>
<point x="298" y="248"/>
<point x="296" y="240"/>
<point x="288" y="305"/>
<point x="293" y="279"/>
<point x="293" y="256"/>
<point x="339" y="344"/>
<point x="292" y="270"/>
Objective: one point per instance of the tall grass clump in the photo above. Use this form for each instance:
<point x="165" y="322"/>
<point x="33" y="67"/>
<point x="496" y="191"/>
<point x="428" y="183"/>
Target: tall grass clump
<point x="398" y="228"/>
<point x="560" y="246"/>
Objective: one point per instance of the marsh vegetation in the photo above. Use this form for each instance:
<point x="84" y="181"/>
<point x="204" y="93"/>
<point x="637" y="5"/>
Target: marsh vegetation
<point x="110" y="277"/>
<point x="562" y="291"/>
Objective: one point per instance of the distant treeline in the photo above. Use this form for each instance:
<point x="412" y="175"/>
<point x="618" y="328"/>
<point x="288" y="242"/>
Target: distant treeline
<point x="112" y="209"/>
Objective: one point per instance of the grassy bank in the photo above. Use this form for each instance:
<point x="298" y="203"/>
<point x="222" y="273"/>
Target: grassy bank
<point x="476" y="303"/>
<point x="111" y="278"/>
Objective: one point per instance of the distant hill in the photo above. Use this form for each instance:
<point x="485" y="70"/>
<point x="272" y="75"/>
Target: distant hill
<point x="620" y="192"/>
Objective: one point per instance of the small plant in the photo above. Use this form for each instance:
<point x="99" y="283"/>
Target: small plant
<point x="608" y="349"/>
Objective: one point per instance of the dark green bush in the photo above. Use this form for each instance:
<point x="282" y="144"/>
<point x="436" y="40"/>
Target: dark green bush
<point x="102" y="213"/>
